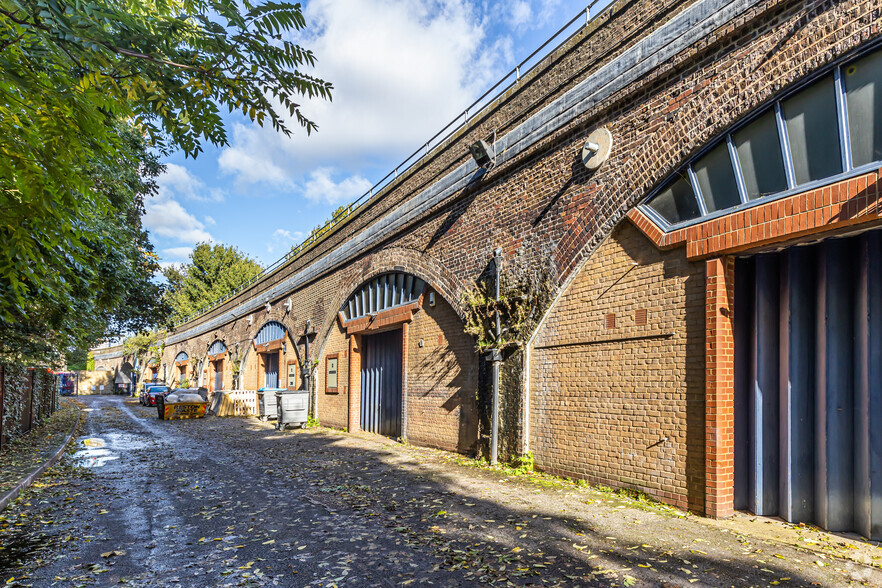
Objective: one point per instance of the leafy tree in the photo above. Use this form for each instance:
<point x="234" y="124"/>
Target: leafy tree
<point x="84" y="87"/>
<point x="145" y="346"/>
<point x="77" y="359"/>
<point x="213" y="272"/>
<point x="105" y="288"/>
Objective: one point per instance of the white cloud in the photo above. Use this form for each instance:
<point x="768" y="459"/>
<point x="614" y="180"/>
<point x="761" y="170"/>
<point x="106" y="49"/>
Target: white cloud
<point x="282" y="240"/>
<point x="248" y="159"/>
<point x="209" y="220"/>
<point x="401" y="70"/>
<point x="166" y="217"/>
<point x="178" y="180"/>
<point x="321" y="187"/>
<point x="181" y="253"/>
<point x="519" y="14"/>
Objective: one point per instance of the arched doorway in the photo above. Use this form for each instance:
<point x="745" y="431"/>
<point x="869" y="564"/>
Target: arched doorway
<point x="181" y="360"/>
<point x="271" y="345"/>
<point x="377" y="310"/>
<point x="216" y="355"/>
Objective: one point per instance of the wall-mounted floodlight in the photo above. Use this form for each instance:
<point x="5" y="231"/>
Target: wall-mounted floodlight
<point x="269" y="306"/>
<point x="288" y="305"/>
<point x="250" y="320"/>
<point x="483" y="154"/>
<point x="596" y="149"/>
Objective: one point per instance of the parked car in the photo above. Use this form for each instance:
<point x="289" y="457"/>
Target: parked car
<point x="155" y="391"/>
<point x="145" y="388"/>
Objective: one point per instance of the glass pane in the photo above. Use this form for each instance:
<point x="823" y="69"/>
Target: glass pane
<point x="332" y="373"/>
<point x="676" y="203"/>
<point x="813" y="132"/>
<point x="759" y="153"/>
<point x="716" y="178"/>
<point x="864" y="108"/>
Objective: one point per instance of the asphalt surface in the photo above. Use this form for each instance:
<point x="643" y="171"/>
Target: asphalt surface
<point x="231" y="502"/>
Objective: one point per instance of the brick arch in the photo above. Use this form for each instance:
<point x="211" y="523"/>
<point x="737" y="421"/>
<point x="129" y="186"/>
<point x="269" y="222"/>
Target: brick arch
<point x="394" y="259"/>
<point x="401" y="259"/>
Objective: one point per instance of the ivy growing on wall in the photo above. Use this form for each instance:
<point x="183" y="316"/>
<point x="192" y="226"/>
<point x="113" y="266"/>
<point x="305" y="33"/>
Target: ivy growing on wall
<point x="523" y="297"/>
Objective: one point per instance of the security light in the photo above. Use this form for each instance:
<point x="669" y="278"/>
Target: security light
<point x="288" y="305"/>
<point x="483" y="154"/>
<point x="269" y="306"/>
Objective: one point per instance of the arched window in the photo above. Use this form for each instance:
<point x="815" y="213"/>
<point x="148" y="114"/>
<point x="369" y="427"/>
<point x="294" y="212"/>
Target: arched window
<point x="182" y="356"/>
<point x="217" y="347"/>
<point x="271" y="331"/>
<point x="383" y="292"/>
<point x="820" y="133"/>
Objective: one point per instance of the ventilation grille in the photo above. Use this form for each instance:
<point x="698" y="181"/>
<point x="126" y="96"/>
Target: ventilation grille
<point x="609" y="321"/>
<point x="381" y="293"/>
<point x="272" y="331"/>
<point x="217" y="347"/>
<point x="640" y="317"/>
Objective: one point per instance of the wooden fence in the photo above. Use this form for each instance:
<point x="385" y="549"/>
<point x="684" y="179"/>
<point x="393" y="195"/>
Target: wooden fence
<point x="233" y="403"/>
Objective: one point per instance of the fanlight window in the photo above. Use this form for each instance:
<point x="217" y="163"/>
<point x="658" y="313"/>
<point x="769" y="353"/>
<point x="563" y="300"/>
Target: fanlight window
<point x="383" y="292"/>
<point x="827" y="129"/>
<point x="217" y="347"/>
<point x="182" y="356"/>
<point x="272" y="331"/>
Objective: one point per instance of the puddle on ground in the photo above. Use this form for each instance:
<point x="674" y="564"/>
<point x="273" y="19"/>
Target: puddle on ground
<point x="127" y="442"/>
<point x="95" y="453"/>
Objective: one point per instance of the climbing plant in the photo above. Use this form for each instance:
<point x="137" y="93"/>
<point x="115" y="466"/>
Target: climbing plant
<point x="523" y="297"/>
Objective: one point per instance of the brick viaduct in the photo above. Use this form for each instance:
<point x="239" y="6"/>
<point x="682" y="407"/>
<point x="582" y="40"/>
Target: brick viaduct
<point x="630" y="378"/>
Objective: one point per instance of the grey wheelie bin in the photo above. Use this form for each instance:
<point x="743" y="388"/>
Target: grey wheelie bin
<point x="292" y="407"/>
<point x="266" y="404"/>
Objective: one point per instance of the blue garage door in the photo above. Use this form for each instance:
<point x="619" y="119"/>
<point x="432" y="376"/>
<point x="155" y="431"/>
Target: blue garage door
<point x="381" y="383"/>
<point x="808" y="384"/>
<point x="219" y="374"/>
<point x="271" y="364"/>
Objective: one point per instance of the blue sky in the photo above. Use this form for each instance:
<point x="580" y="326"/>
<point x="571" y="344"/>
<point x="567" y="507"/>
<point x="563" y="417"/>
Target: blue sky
<point x="402" y="69"/>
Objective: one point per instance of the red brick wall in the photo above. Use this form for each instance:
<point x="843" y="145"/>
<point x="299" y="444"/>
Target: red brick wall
<point x="720" y="382"/>
<point x="545" y="210"/>
<point x="835" y="207"/>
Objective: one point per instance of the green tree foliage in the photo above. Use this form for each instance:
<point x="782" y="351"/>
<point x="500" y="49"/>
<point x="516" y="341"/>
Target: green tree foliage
<point x="213" y="272"/>
<point x="77" y="359"/>
<point x="85" y="88"/>
<point x="101" y="285"/>
<point x="145" y="346"/>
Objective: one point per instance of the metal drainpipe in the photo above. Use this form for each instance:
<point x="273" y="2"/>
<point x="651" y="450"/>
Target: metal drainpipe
<point x="306" y="369"/>
<point x="496" y="357"/>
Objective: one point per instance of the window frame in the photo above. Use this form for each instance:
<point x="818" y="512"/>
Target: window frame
<point x="774" y="104"/>
<point x="328" y="358"/>
<point x="288" y="364"/>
